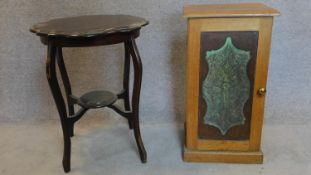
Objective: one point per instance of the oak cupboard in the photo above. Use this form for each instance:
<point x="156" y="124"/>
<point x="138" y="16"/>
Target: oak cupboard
<point x="227" y="66"/>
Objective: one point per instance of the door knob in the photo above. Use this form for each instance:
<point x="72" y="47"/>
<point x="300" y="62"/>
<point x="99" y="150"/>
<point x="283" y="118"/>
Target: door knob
<point x="262" y="91"/>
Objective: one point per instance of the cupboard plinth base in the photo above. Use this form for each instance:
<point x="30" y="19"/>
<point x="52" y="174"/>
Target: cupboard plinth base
<point x="255" y="157"/>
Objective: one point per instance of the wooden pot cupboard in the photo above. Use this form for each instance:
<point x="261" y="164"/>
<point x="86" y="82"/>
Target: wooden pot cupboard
<point x="227" y="66"/>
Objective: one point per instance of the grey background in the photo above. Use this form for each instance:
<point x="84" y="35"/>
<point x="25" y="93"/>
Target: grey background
<point x="24" y="92"/>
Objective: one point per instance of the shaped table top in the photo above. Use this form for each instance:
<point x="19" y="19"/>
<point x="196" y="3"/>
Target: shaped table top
<point x="88" y="26"/>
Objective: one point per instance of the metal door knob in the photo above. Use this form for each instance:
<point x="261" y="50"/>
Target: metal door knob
<point x="262" y="91"/>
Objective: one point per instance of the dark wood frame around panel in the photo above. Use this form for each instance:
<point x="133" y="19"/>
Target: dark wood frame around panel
<point x="244" y="40"/>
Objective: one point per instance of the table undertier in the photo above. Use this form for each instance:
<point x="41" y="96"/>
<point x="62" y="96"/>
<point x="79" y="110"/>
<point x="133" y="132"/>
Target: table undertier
<point x="97" y="99"/>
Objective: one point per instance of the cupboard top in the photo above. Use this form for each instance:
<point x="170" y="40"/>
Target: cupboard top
<point x="229" y="10"/>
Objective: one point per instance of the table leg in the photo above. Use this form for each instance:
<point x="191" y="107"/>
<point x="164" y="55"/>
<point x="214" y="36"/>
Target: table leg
<point x="60" y="104"/>
<point x="136" y="95"/>
<point x="126" y="76"/>
<point x="67" y="85"/>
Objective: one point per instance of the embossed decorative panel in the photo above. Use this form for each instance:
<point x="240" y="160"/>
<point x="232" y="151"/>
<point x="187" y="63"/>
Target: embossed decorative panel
<point x="226" y="87"/>
<point x="227" y="66"/>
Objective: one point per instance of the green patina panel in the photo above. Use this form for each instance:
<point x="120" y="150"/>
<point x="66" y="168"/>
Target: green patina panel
<point x="226" y="88"/>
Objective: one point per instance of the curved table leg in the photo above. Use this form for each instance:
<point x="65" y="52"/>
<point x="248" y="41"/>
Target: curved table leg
<point x="126" y="76"/>
<point x="60" y="104"/>
<point x="66" y="82"/>
<point x="135" y="98"/>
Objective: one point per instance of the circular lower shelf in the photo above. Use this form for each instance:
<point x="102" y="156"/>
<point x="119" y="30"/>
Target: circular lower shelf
<point x="97" y="99"/>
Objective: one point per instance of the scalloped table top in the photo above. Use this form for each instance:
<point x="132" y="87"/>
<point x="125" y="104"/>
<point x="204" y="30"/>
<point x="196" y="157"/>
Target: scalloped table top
<point x="88" y="26"/>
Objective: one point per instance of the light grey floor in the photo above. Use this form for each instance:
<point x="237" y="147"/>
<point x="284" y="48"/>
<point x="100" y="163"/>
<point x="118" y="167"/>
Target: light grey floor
<point x="109" y="149"/>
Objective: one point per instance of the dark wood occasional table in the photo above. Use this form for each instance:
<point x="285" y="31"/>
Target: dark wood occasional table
<point x="85" y="31"/>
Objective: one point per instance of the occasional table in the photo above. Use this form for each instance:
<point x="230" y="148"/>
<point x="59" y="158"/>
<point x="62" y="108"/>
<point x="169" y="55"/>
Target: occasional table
<point x="85" y="31"/>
